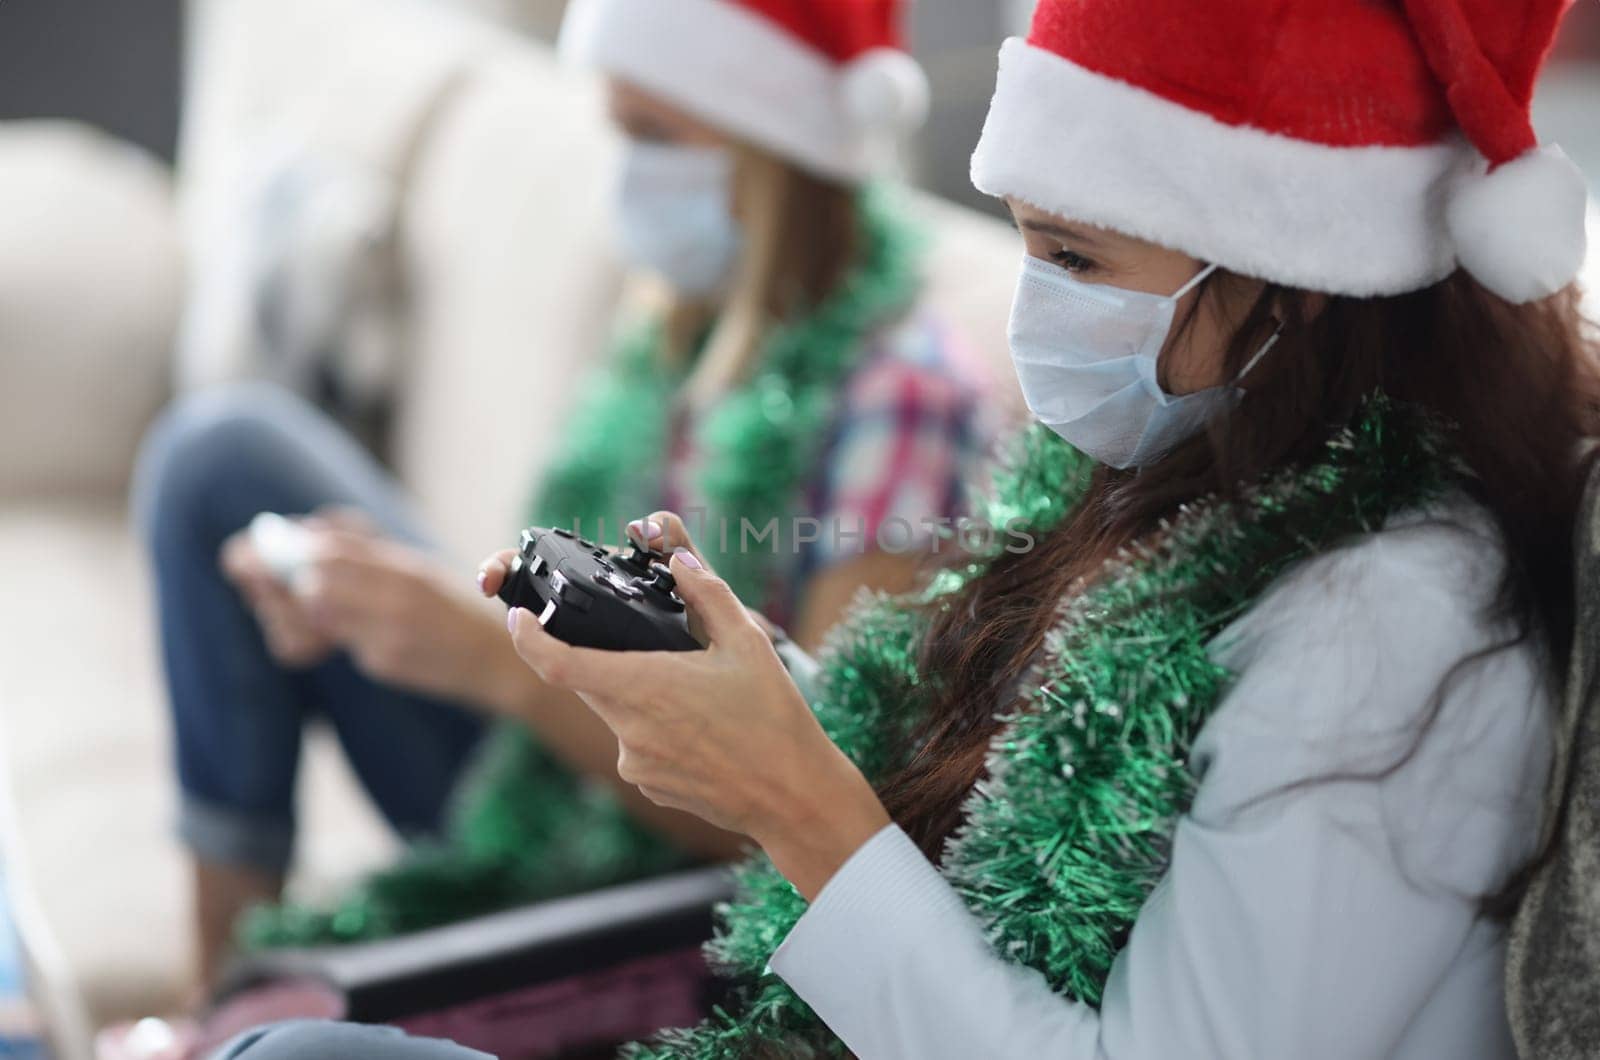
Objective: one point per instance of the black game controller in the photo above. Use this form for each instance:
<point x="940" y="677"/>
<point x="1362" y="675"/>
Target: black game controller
<point x="591" y="598"/>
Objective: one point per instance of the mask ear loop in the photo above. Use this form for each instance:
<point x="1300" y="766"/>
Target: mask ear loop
<point x="1265" y="349"/>
<point x="1199" y="278"/>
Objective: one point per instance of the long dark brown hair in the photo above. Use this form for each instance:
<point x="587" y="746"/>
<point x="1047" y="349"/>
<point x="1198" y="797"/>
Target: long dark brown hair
<point x="802" y="232"/>
<point x="1518" y="385"/>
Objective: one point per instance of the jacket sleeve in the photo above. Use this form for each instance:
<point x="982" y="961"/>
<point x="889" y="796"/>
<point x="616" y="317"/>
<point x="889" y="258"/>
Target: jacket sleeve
<point x="1358" y="792"/>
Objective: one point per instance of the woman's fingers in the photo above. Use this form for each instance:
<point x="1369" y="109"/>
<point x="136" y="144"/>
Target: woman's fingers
<point x="290" y="640"/>
<point x="664" y="532"/>
<point x="344" y="593"/>
<point x="351" y="546"/>
<point x="263" y="590"/>
<point x="240" y="561"/>
<point x="555" y="662"/>
<point x="612" y="675"/>
<point x="283" y="620"/>
<point x="712" y="602"/>
<point x="768" y="628"/>
<point x="646" y="532"/>
<point x="343" y="517"/>
<point x="492" y="572"/>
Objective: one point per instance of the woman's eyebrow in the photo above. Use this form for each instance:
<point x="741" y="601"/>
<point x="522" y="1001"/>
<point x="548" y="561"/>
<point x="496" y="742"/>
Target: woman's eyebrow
<point x="1063" y="232"/>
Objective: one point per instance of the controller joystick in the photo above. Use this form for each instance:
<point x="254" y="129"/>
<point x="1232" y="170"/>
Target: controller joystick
<point x="663" y="587"/>
<point x="589" y="599"/>
<point x="641" y="559"/>
<point x="662" y="579"/>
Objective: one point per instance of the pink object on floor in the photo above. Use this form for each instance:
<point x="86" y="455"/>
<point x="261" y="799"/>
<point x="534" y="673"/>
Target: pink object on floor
<point x="582" y="1013"/>
<point x="620" y="1004"/>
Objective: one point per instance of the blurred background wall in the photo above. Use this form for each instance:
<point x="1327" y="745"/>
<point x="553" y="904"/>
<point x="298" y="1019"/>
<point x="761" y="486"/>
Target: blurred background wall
<point x="116" y="64"/>
<point x="113" y="63"/>
<point x="1567" y="109"/>
<point x="956" y="41"/>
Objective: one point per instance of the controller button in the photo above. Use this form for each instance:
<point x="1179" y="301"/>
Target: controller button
<point x="661" y="578"/>
<point x="641" y="558"/>
<point x="574" y="596"/>
<point x="618" y="585"/>
<point x="587" y="545"/>
<point x="563" y="532"/>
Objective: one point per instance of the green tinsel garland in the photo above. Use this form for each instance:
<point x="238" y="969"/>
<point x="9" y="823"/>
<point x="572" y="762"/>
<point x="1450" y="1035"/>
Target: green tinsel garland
<point x="1068" y="835"/>
<point x="523" y="828"/>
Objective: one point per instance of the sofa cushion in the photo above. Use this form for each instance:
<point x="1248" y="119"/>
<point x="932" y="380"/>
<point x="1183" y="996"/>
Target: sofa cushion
<point x="290" y="205"/>
<point x="513" y="285"/>
<point x="89" y="290"/>
<point x="94" y="869"/>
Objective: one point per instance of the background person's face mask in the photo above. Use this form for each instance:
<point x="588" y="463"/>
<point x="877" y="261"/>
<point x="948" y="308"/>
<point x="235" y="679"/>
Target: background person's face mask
<point x="1087" y="358"/>
<point x="675" y="215"/>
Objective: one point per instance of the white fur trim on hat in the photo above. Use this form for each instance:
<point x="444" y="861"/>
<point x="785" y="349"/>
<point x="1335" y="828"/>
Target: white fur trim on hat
<point x="738" y="71"/>
<point x="1346" y="220"/>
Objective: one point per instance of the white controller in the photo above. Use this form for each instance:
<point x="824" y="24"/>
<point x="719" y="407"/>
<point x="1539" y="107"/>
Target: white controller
<point x="283" y="545"/>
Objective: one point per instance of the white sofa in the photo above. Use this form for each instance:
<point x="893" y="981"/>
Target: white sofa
<point x="504" y="243"/>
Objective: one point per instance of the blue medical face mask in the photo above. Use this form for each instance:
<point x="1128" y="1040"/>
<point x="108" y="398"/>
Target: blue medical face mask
<point x="1087" y="358"/>
<point x="675" y="215"/>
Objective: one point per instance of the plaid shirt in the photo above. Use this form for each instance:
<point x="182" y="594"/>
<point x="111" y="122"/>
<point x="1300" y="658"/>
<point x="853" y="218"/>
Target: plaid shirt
<point x="900" y="457"/>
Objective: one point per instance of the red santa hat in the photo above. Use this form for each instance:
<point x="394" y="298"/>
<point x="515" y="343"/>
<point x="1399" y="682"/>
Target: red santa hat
<point x="1345" y="146"/>
<point x="826" y="84"/>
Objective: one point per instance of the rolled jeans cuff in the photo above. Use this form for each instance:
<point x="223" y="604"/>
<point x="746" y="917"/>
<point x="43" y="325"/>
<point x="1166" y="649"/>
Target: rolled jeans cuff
<point x="316" y="1040"/>
<point x="222" y="835"/>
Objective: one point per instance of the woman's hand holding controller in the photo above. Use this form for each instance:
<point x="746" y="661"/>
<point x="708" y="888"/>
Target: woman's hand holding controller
<point x="723" y="734"/>
<point x="403" y="620"/>
<point x="257" y="561"/>
<point x="287" y="629"/>
<point x="666" y="533"/>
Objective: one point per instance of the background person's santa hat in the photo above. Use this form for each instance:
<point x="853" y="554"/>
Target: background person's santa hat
<point x="826" y="84"/>
<point x="1348" y="146"/>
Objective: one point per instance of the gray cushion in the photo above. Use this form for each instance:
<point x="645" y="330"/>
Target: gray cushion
<point x="1553" y="968"/>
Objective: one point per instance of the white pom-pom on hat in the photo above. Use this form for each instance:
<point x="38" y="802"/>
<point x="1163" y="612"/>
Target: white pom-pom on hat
<point x="1519" y="229"/>
<point x="827" y="86"/>
<point x="885" y="93"/>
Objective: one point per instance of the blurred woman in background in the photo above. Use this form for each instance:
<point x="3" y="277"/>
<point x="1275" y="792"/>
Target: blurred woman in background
<point x="779" y="371"/>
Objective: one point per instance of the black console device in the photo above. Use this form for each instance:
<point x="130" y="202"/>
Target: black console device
<point x="591" y="598"/>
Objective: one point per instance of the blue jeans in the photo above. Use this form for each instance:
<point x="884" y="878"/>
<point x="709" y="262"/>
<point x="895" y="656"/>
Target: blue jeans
<point x="209" y="466"/>
<point x="339" y="1041"/>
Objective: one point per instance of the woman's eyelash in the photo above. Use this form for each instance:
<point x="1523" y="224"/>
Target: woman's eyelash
<point x="1071" y="261"/>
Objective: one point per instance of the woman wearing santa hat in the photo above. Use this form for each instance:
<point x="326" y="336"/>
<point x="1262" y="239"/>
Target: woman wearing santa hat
<point x="1245" y="756"/>
<point x="779" y="370"/>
